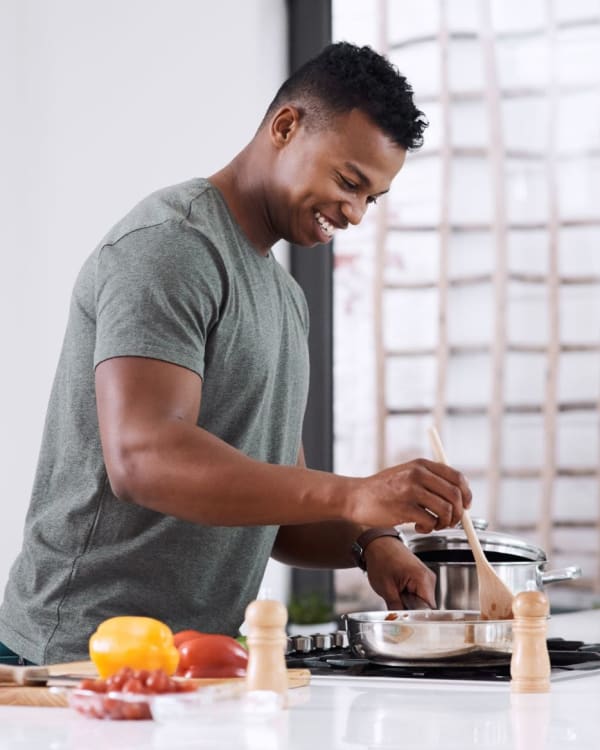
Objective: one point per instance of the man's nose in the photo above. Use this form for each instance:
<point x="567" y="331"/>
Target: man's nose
<point x="354" y="210"/>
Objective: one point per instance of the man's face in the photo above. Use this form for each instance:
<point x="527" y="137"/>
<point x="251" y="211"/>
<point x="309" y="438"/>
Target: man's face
<point x="326" y="178"/>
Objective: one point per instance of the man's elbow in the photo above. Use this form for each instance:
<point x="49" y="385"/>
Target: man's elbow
<point x="127" y="470"/>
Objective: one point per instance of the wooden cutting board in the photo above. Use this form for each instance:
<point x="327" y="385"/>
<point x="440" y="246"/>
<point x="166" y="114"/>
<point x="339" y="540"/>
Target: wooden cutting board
<point x="11" y="695"/>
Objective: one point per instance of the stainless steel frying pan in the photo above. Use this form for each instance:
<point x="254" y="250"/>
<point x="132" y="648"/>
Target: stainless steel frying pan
<point x="426" y="635"/>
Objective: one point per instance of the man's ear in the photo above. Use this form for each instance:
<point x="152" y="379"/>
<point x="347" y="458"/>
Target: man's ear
<point x="284" y="125"/>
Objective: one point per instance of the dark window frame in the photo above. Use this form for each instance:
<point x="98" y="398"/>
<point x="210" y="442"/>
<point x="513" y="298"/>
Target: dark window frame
<point x="309" y="30"/>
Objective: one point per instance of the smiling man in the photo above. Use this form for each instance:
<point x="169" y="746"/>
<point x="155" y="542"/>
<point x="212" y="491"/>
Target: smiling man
<point x="171" y="465"/>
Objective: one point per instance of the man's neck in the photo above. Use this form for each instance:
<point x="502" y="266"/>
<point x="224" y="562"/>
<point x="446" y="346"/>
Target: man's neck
<point x="244" y="195"/>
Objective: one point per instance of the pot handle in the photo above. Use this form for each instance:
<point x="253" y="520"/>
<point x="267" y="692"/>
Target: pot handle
<point x="562" y="574"/>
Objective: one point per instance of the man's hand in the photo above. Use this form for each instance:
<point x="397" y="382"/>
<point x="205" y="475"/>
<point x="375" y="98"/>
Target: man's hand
<point x="392" y="570"/>
<point x="427" y="493"/>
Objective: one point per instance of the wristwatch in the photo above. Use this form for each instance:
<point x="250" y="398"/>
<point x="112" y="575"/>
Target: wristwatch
<point x="363" y="540"/>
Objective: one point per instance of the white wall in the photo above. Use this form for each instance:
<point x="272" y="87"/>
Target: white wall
<point x="102" y="102"/>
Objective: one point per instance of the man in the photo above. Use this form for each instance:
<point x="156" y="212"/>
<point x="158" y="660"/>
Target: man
<point x="171" y="465"/>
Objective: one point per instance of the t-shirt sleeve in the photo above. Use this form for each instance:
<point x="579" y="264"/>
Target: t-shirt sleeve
<point x="159" y="291"/>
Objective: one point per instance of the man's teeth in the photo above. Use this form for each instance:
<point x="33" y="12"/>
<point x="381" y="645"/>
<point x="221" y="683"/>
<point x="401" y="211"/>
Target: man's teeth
<point x="328" y="228"/>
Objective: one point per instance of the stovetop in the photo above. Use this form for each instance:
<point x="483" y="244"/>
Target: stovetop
<point x="568" y="658"/>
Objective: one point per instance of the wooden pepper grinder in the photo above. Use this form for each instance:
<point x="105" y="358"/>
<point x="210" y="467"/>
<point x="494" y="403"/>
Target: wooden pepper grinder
<point x="530" y="663"/>
<point x="266" y="620"/>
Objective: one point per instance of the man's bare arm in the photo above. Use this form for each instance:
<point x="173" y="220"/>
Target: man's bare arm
<point x="157" y="456"/>
<point x="316" y="545"/>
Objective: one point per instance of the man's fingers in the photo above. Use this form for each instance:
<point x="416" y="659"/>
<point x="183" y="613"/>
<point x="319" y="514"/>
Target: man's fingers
<point x="415" y="601"/>
<point x="394" y="602"/>
<point x="447" y="500"/>
<point x="421" y="599"/>
<point x="425" y="588"/>
<point x="451" y="476"/>
<point x="425" y="521"/>
<point x="442" y="513"/>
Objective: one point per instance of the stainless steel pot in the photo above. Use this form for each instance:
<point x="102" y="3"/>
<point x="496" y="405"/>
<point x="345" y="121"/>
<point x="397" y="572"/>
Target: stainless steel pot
<point x="516" y="562"/>
<point x="457" y="586"/>
<point x="426" y="635"/>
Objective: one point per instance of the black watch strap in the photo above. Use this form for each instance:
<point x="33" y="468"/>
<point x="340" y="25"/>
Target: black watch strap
<point x="363" y="540"/>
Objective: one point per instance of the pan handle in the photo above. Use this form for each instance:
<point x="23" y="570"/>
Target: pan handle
<point x="562" y="574"/>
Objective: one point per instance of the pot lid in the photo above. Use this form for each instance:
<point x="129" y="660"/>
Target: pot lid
<point x="491" y="541"/>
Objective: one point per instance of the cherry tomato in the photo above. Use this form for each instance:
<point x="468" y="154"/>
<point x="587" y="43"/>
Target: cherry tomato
<point x="212" y="655"/>
<point x="133" y="685"/>
<point x="110" y="706"/>
<point x="185" y="635"/>
<point x="158" y="682"/>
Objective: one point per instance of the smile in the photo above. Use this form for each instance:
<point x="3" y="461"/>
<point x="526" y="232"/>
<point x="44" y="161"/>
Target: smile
<point x="328" y="228"/>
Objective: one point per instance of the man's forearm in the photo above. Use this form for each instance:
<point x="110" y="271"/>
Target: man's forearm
<point x="317" y="545"/>
<point x="157" y="456"/>
<point x="186" y="472"/>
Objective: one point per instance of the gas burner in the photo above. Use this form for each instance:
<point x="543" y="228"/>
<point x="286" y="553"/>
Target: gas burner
<point x="329" y="660"/>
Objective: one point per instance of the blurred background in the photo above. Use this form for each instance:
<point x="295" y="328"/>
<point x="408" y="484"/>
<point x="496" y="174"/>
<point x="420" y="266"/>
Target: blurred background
<point x="469" y="297"/>
<point x="103" y="102"/>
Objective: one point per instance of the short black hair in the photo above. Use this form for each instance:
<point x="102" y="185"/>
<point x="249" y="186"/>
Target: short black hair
<point x="344" y="77"/>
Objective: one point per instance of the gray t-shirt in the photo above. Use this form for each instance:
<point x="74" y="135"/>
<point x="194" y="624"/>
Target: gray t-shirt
<point x="175" y="280"/>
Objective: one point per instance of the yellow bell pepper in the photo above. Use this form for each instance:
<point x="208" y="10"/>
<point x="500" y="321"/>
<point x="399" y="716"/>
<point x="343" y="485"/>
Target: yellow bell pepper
<point x="136" y="642"/>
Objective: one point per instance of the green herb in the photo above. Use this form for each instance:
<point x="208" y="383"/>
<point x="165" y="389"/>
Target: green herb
<point x="310" y="608"/>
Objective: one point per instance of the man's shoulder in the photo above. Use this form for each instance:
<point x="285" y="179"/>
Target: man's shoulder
<point x="159" y="211"/>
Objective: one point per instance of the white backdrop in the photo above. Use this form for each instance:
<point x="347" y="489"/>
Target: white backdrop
<point x="102" y="102"/>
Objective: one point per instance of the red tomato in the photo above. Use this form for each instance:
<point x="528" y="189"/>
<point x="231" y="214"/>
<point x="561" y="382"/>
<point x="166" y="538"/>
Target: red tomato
<point x="185" y="635"/>
<point x="212" y="655"/>
<point x="204" y="671"/>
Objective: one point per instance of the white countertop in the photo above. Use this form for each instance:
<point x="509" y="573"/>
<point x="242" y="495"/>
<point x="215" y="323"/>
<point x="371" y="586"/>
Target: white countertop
<point x="339" y="713"/>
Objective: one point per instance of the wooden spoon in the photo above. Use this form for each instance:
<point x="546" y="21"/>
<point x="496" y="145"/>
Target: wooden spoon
<point x="495" y="598"/>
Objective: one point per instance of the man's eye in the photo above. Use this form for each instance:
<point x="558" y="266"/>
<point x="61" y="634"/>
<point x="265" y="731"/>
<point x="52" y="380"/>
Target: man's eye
<point x="350" y="185"/>
<point x="372" y="199"/>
